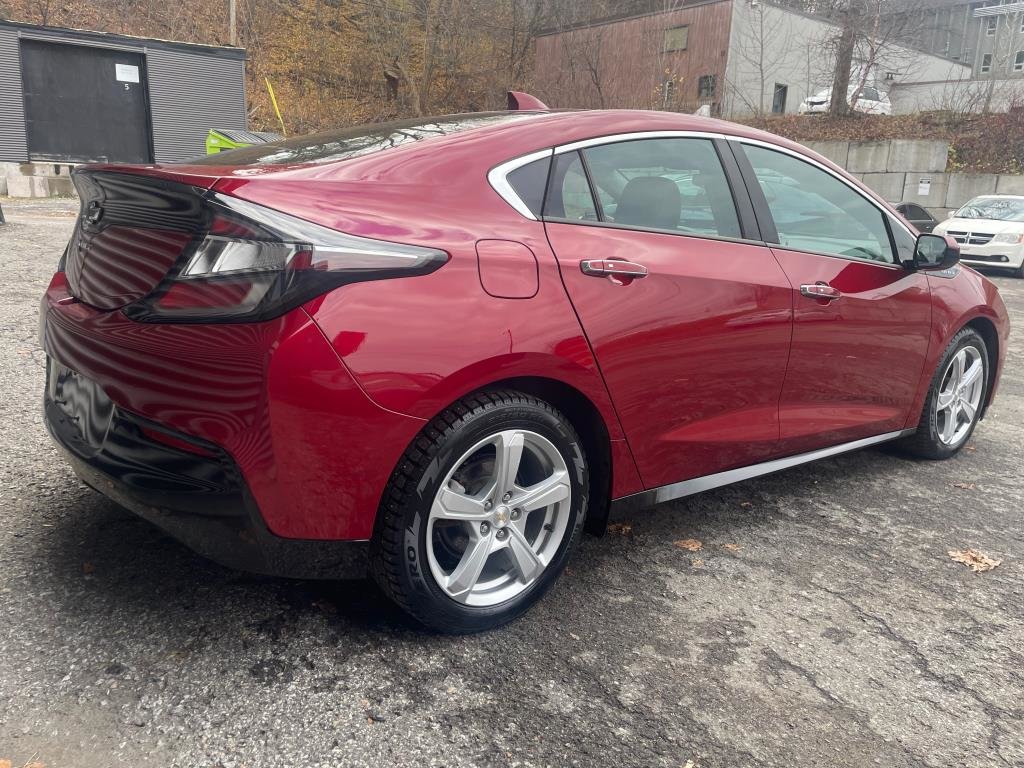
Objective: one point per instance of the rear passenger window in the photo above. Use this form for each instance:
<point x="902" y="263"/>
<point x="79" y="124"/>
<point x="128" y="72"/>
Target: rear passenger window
<point x="569" y="193"/>
<point x="529" y="181"/>
<point x="676" y="185"/>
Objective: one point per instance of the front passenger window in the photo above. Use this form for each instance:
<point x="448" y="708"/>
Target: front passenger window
<point x="814" y="211"/>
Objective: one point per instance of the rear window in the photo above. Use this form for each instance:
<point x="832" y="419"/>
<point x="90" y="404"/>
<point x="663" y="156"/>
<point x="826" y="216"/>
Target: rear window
<point x="346" y="143"/>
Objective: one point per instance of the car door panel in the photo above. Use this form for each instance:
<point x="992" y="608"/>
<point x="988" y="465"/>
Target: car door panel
<point x="694" y="354"/>
<point x="856" y="361"/>
<point x="858" y="353"/>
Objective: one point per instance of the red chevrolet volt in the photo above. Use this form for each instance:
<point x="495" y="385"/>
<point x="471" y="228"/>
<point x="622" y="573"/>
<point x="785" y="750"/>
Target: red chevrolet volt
<point x="437" y="350"/>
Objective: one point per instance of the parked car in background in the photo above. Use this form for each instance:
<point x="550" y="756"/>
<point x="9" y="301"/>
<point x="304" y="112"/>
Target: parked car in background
<point x="918" y="216"/>
<point x="871" y="102"/>
<point x="436" y="349"/>
<point x="990" y="230"/>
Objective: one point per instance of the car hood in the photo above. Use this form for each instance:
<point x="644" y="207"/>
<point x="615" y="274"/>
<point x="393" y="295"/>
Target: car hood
<point x="988" y="226"/>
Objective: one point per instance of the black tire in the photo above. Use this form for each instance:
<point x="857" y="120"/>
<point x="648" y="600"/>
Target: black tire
<point x="925" y="442"/>
<point x="398" y="552"/>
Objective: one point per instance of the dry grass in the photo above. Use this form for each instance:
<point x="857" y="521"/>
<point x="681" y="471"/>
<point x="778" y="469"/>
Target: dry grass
<point x="978" y="143"/>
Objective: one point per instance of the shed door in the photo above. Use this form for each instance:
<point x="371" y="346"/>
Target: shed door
<point x="85" y="104"/>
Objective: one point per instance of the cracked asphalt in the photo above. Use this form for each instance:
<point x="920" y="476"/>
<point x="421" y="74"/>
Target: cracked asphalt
<point x="821" y="622"/>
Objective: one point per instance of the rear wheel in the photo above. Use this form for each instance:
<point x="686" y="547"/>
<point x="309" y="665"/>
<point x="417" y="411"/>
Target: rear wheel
<point x="955" y="398"/>
<point x="480" y="515"/>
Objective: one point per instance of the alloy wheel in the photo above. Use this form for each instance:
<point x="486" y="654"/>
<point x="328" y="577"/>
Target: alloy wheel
<point x="959" y="398"/>
<point x="498" y="518"/>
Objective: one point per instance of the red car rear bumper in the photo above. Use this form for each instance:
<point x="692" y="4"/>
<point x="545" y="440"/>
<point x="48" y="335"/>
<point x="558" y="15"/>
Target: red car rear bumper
<point x="313" y="453"/>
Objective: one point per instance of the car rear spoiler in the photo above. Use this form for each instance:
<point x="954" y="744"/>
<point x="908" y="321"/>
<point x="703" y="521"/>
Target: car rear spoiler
<point x="517" y="100"/>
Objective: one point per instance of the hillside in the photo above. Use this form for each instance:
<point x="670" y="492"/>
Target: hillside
<point x="333" y="62"/>
<point x="339" y="62"/>
<point x="978" y="143"/>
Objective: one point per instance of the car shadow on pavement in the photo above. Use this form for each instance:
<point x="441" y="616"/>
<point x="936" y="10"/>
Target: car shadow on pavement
<point x="125" y="565"/>
<point x="107" y="564"/>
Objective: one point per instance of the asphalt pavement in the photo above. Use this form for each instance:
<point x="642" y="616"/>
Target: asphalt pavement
<point x="809" y="618"/>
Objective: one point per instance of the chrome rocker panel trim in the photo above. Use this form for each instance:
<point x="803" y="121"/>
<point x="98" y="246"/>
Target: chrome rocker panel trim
<point x="643" y="499"/>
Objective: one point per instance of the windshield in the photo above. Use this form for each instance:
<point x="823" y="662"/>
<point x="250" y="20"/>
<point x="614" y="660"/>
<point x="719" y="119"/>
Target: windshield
<point x="998" y="208"/>
<point x="359" y="140"/>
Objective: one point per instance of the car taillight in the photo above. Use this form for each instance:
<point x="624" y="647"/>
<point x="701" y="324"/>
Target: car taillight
<point x="254" y="263"/>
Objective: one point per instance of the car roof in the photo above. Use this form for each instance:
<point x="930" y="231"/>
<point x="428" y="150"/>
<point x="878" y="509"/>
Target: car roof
<point x="494" y="140"/>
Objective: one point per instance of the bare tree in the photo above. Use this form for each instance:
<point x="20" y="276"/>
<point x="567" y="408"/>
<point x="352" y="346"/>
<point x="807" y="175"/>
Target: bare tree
<point x="871" y="31"/>
<point x="581" y="68"/>
<point x="765" y="43"/>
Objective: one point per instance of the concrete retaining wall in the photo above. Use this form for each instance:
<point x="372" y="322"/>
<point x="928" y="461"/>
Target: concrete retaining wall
<point x="915" y="172"/>
<point x="36" y="180"/>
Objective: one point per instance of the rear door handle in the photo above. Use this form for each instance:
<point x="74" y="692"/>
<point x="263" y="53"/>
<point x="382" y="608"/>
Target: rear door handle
<point x="820" y="291"/>
<point x="613" y="268"/>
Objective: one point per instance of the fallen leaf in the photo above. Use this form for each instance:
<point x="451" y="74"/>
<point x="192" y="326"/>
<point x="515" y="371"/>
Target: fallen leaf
<point x="691" y="545"/>
<point x="731" y="547"/>
<point x="698" y="563"/>
<point x="964" y="486"/>
<point x="746" y="503"/>
<point x="973" y="559"/>
<point x="88" y="568"/>
<point x="5" y="764"/>
<point x="622" y="529"/>
<point x="34" y="764"/>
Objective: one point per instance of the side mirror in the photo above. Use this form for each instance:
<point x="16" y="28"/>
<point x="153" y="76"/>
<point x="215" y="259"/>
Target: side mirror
<point x="935" y="252"/>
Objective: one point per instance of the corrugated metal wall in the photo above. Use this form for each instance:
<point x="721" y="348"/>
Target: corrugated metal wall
<point x="188" y="95"/>
<point x="13" y="146"/>
<point x="189" y="91"/>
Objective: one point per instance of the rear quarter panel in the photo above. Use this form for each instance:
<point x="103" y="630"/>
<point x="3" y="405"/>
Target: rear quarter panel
<point x="416" y="345"/>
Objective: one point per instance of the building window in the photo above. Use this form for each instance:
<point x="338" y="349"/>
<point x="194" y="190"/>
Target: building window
<point x="990" y="26"/>
<point x="986" y="63"/>
<point x="676" y="38"/>
<point x="1018" y="62"/>
<point x="706" y="86"/>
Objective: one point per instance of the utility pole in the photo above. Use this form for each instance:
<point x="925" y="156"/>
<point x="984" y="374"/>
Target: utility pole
<point x="232" y="11"/>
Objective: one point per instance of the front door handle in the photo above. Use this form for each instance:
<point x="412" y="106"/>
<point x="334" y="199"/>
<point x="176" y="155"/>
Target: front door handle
<point x="820" y="290"/>
<point x="613" y="268"/>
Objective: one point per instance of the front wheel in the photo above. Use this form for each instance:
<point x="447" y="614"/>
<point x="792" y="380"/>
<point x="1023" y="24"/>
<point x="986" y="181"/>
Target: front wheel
<point x="480" y="515"/>
<point x="955" y="398"/>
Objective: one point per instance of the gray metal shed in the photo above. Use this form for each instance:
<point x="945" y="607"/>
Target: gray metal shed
<point x="74" y="96"/>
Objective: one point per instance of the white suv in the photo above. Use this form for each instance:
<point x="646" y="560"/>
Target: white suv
<point x="871" y="102"/>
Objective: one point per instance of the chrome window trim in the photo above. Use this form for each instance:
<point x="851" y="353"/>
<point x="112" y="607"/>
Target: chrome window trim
<point x="634" y="136"/>
<point x="869" y="262"/>
<point x="653" y="231"/>
<point x="811" y="161"/>
<point x="497" y="177"/>
<point x="636" y="501"/>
